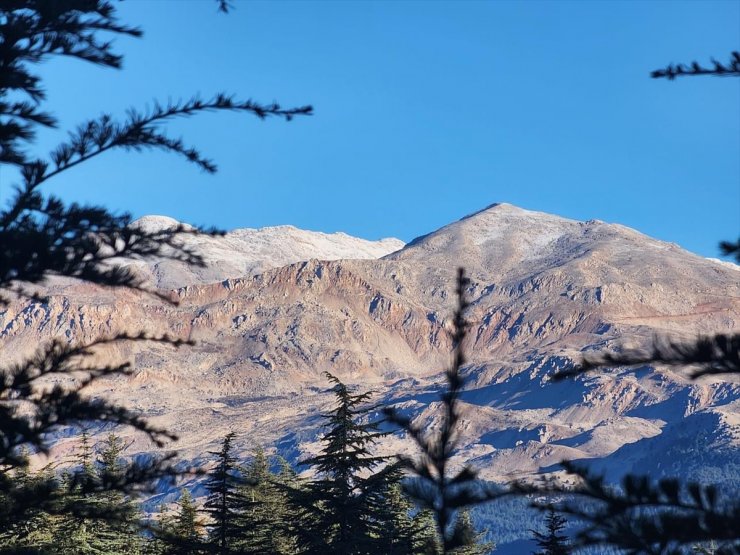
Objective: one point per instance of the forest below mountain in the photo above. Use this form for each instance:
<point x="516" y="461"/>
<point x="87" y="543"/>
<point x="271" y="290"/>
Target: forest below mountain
<point x="356" y="503"/>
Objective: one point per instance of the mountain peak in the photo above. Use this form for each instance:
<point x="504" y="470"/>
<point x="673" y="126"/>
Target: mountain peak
<point x="154" y="223"/>
<point x="248" y="251"/>
<point x="543" y="290"/>
<point x="495" y="207"/>
<point x="504" y="209"/>
<point x="520" y="242"/>
<point x="500" y="226"/>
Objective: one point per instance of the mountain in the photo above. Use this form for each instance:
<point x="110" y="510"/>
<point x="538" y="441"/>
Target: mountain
<point x="543" y="290"/>
<point x="248" y="251"/>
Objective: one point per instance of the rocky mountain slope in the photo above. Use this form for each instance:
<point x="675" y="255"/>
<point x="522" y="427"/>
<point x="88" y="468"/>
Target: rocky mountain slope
<point x="248" y="251"/>
<point x="544" y="290"/>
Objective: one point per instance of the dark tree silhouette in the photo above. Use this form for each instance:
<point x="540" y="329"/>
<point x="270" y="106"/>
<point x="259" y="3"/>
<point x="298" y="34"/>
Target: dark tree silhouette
<point x="467" y="539"/>
<point x="730" y="69"/>
<point x="337" y="507"/>
<point x="224" y="5"/>
<point x="436" y="487"/>
<point x="41" y="235"/>
<point x="728" y="248"/>
<point x="552" y="542"/>
<point x="226" y="500"/>
<point x="711" y="355"/>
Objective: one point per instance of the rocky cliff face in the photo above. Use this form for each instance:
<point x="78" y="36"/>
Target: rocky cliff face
<point x="543" y="290"/>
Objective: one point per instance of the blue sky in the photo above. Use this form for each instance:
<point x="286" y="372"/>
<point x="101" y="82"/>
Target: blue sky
<point x="424" y="112"/>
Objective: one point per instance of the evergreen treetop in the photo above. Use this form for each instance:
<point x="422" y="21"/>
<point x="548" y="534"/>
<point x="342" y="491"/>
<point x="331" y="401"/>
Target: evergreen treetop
<point x="225" y="500"/>
<point x="337" y="512"/>
<point x="553" y="541"/>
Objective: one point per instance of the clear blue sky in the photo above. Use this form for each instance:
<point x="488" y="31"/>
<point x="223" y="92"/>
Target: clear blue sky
<point x="424" y="112"/>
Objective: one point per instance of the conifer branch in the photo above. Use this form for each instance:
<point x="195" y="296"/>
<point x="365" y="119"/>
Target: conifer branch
<point x="30" y="408"/>
<point x="41" y="236"/>
<point x="140" y="130"/>
<point x="729" y="248"/>
<point x="710" y="355"/>
<point x="641" y="516"/>
<point x="436" y="488"/>
<point x="730" y="69"/>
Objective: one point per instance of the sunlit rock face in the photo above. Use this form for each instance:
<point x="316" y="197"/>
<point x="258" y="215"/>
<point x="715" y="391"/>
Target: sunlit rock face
<point x="274" y="308"/>
<point x="247" y="251"/>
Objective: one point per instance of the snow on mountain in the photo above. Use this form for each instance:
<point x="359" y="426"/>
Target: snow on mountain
<point x="509" y="240"/>
<point x="247" y="251"/>
<point x="543" y="291"/>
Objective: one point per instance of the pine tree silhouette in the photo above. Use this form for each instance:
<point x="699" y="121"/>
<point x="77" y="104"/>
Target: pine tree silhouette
<point x="436" y="488"/>
<point x="553" y="542"/>
<point x="226" y="500"/>
<point x="337" y="508"/>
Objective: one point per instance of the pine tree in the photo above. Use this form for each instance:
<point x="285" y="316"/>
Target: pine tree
<point x="392" y="524"/>
<point x="286" y="530"/>
<point x="187" y="524"/>
<point x="266" y="512"/>
<point x="397" y="530"/>
<point x="435" y="487"/>
<point x="109" y="456"/>
<point x="123" y="533"/>
<point x="336" y="514"/>
<point x="75" y="532"/>
<point x="34" y="530"/>
<point x="256" y="520"/>
<point x="467" y="539"/>
<point x="426" y="537"/>
<point x="97" y="519"/>
<point x="226" y="502"/>
<point x="178" y="534"/>
<point x="162" y="528"/>
<point x="158" y="526"/>
<point x="86" y="456"/>
<point x="553" y="542"/>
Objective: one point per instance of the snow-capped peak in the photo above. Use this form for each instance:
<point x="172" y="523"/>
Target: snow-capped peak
<point x="248" y="251"/>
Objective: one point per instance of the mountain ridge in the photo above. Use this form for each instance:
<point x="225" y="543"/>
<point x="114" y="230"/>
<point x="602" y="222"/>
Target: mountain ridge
<point x="260" y="248"/>
<point x="539" y="299"/>
<point x="246" y="251"/>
